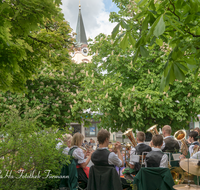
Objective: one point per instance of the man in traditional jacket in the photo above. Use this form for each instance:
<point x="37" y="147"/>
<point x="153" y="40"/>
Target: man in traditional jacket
<point x="139" y="149"/>
<point x="156" y="158"/>
<point x="103" y="160"/>
<point x="170" y="144"/>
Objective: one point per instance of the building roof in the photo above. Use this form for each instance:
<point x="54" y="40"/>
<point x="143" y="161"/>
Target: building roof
<point x="80" y="30"/>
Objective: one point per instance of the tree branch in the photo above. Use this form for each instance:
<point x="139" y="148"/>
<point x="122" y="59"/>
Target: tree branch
<point x="37" y="40"/>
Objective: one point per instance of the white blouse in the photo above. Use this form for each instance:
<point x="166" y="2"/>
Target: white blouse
<point x="79" y="155"/>
<point x="66" y="150"/>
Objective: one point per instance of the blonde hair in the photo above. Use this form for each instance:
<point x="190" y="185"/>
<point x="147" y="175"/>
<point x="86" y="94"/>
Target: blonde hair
<point x="77" y="139"/>
<point x="67" y="137"/>
<point x="167" y="129"/>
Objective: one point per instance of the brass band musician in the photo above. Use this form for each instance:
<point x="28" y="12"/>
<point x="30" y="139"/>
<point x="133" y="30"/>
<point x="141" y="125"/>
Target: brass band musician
<point x="156" y="158"/>
<point x="102" y="156"/>
<point x="140" y="148"/>
<point x="193" y="139"/>
<point x="169" y="144"/>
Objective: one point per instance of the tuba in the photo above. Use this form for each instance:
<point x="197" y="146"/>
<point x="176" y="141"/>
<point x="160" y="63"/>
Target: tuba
<point x="129" y="134"/>
<point x="178" y="175"/>
<point x="153" y="130"/>
<point x="180" y="136"/>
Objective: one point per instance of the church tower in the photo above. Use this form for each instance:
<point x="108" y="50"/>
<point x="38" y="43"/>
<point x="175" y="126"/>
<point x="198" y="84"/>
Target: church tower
<point x="81" y="46"/>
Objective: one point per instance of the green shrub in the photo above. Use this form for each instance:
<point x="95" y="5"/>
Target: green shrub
<point x="25" y="146"/>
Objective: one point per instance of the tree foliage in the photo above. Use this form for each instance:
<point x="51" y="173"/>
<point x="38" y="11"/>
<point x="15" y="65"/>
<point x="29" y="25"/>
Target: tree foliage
<point x="28" y="154"/>
<point x="32" y="34"/>
<point x="126" y="95"/>
<point x="174" y="24"/>
<point x="53" y="90"/>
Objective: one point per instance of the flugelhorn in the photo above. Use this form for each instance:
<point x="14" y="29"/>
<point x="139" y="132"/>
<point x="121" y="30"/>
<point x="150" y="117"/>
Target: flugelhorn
<point x="153" y="130"/>
<point x="129" y="134"/>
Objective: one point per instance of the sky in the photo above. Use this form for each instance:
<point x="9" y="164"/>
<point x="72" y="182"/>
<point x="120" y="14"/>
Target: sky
<point x="95" y="15"/>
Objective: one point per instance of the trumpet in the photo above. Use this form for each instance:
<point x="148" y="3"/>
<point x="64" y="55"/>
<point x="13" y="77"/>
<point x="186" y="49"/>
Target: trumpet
<point x="153" y="130"/>
<point x="112" y="146"/>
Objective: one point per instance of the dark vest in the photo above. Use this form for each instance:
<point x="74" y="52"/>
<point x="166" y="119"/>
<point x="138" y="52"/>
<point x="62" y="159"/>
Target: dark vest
<point x="142" y="148"/>
<point x="171" y="145"/>
<point x="153" y="158"/>
<point x="71" y="150"/>
<point x="100" y="157"/>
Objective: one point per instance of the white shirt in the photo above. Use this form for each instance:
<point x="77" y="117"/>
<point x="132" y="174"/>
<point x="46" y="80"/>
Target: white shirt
<point x="191" y="148"/>
<point x="66" y="150"/>
<point x="113" y="158"/>
<point x="79" y="155"/>
<point x="58" y="146"/>
<point x="164" y="160"/>
<point x="196" y="155"/>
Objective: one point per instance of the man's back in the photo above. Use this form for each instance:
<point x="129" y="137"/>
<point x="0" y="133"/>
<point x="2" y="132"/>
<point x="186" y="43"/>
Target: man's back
<point x="171" y="145"/>
<point x="142" y="148"/>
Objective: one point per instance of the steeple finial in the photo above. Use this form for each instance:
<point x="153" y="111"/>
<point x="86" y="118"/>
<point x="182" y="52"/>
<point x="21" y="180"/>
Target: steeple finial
<point x="79" y="5"/>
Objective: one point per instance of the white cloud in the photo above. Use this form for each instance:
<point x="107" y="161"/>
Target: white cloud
<point x="95" y="18"/>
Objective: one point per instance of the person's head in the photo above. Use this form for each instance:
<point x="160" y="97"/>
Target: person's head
<point x="77" y="139"/>
<point x="157" y="140"/>
<point x="193" y="136"/>
<point x="91" y="140"/>
<point x="166" y="130"/>
<point x="140" y="137"/>
<point x="85" y="141"/>
<point x="67" y="138"/>
<point x="103" y="136"/>
<point x="197" y="129"/>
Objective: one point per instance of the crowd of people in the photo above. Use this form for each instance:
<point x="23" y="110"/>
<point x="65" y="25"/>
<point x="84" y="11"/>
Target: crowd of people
<point x="154" y="155"/>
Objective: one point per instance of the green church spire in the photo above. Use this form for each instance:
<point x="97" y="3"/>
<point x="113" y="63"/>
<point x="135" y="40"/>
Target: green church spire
<point x="80" y="30"/>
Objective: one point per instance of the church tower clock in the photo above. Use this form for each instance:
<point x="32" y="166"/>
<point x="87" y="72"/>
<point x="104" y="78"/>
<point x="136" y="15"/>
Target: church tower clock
<point x="81" y="46"/>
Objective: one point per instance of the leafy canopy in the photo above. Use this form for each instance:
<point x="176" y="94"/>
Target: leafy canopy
<point x="172" y="23"/>
<point x="31" y="33"/>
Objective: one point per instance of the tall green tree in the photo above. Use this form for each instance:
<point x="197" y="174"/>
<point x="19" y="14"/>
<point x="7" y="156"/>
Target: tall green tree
<point x="122" y="94"/>
<point x="52" y="91"/>
<point x="171" y="24"/>
<point x="32" y="33"/>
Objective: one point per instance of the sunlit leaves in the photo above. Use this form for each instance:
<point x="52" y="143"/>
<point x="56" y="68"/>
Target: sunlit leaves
<point x="31" y="32"/>
<point x="169" y="24"/>
<point x="160" y="27"/>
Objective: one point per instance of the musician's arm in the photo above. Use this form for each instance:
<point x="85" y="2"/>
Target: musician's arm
<point x="120" y="157"/>
<point x="80" y="156"/>
<point x="83" y="165"/>
<point x="163" y="146"/>
<point x="164" y="161"/>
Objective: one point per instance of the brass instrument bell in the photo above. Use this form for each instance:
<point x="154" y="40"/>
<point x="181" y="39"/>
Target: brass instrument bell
<point x="128" y="146"/>
<point x="153" y="130"/>
<point x="180" y="135"/>
<point x="129" y="134"/>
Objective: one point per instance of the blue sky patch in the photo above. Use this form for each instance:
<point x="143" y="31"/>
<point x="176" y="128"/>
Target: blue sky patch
<point x="110" y="6"/>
